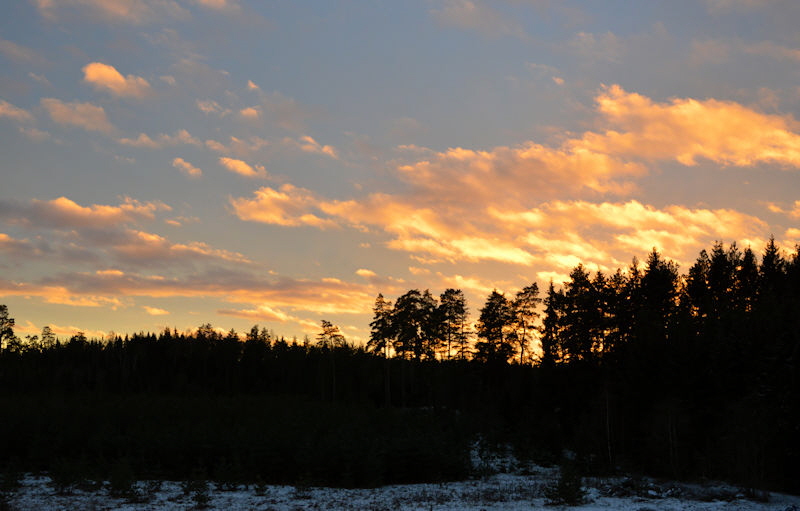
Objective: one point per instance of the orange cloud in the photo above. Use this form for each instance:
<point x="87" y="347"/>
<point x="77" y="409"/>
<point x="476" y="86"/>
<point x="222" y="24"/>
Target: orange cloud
<point x="219" y="5"/>
<point x="324" y="296"/>
<point x="475" y="284"/>
<point x="775" y="51"/>
<point x="211" y="107"/>
<point x="12" y="112"/>
<point x="794" y="212"/>
<point x="125" y="11"/>
<point x="602" y="47"/>
<point x="497" y="204"/>
<point x="34" y="133"/>
<point x="21" y="248"/>
<point x="163" y="140"/>
<point x="469" y="15"/>
<point x="186" y="167"/>
<point x="243" y="168"/>
<point x="518" y="174"/>
<point x="58" y="294"/>
<point x="687" y="129"/>
<point x="573" y="231"/>
<point x="288" y="206"/>
<point x="64" y="212"/>
<point x="30" y="328"/>
<point x="250" y="113"/>
<point x="237" y="146"/>
<point x="155" y="311"/>
<point x="83" y="115"/>
<point x="261" y="313"/>
<point x="107" y="78"/>
<point x="309" y="145"/>
<point x="20" y="53"/>
<point x="140" y="247"/>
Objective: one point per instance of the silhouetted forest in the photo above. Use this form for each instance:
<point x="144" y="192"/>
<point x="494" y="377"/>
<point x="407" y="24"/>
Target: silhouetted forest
<point x="644" y="370"/>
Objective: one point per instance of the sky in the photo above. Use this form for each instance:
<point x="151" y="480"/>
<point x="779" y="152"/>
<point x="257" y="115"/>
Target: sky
<point x="171" y="163"/>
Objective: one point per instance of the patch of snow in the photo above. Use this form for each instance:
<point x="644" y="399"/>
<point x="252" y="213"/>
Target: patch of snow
<point x="495" y="492"/>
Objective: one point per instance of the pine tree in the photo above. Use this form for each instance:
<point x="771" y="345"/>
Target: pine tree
<point x="330" y="337"/>
<point x="414" y="325"/>
<point x="453" y="317"/>
<point x="524" y="306"/>
<point x="381" y="327"/>
<point x="581" y="321"/>
<point x="494" y="327"/>
<point x="7" y="336"/>
<point x="551" y="327"/>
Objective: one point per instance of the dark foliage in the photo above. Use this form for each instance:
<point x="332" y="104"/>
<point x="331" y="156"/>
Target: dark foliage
<point x="644" y="370"/>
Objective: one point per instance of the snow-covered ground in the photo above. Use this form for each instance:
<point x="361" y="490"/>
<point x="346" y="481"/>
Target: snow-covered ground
<point x="493" y="492"/>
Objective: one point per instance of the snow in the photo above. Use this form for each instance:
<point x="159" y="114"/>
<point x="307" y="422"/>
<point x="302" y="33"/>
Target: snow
<point x="501" y="482"/>
<point x="495" y="492"/>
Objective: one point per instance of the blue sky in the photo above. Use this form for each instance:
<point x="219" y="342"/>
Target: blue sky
<point x="173" y="162"/>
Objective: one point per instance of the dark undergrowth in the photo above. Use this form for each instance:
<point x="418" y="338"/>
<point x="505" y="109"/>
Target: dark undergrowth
<point x="230" y="439"/>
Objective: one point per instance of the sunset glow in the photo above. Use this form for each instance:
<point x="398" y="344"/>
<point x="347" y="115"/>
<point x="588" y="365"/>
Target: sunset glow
<point x="169" y="163"/>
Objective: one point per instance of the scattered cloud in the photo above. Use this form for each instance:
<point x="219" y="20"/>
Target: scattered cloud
<point x="40" y="79"/>
<point x="709" y="51"/>
<point x="261" y="313"/>
<point x="82" y="115"/>
<point x="237" y="146"/>
<point x="34" y="133"/>
<point x="66" y="213"/>
<point x="686" y="129"/>
<point x="19" y="53"/>
<point x="155" y="311"/>
<point x="17" y="247"/>
<point x="519" y="173"/>
<point x="219" y="5"/>
<point x="285" y="112"/>
<point x="287" y="206"/>
<point x="162" y="140"/>
<point x="139" y="247"/>
<point x="307" y="144"/>
<point x="773" y="50"/>
<point x="452" y="210"/>
<point x="475" y="284"/>
<point x="116" y="11"/>
<point x="15" y="113"/>
<point x="243" y="168"/>
<point x="209" y="106"/>
<point x="477" y="16"/>
<point x="724" y="5"/>
<point x="186" y="167"/>
<point x="106" y="78"/>
<point x="597" y="47"/>
<point x="792" y="212"/>
<point x="100" y="289"/>
<point x="250" y="113"/>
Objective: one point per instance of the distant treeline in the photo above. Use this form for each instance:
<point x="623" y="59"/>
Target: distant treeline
<point x="643" y="370"/>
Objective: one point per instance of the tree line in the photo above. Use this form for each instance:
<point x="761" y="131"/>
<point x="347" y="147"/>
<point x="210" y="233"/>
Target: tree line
<point x="644" y="369"/>
<point x="595" y="317"/>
